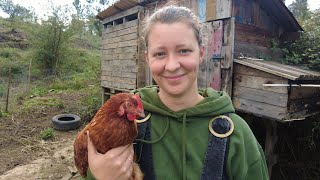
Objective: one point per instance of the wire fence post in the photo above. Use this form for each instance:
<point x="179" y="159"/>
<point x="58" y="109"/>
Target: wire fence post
<point x="8" y="91"/>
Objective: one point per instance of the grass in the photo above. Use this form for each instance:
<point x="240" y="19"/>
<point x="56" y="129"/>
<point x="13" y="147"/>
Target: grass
<point x="47" y="134"/>
<point x="36" y="103"/>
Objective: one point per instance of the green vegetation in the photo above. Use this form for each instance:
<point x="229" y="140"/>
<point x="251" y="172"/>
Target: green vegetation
<point x="56" y="55"/>
<point x="47" y="134"/>
<point x="305" y="51"/>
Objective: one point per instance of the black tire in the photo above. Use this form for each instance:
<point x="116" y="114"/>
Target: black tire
<point x="65" y="122"/>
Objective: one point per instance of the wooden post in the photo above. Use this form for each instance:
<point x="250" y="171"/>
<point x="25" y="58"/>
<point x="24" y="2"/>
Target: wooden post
<point x="271" y="140"/>
<point x="8" y="91"/>
<point x="227" y="53"/>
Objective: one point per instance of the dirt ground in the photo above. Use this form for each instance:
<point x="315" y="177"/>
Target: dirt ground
<point x="24" y="155"/>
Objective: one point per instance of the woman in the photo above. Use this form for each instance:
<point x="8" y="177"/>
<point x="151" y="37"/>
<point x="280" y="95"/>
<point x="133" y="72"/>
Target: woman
<point x="181" y="140"/>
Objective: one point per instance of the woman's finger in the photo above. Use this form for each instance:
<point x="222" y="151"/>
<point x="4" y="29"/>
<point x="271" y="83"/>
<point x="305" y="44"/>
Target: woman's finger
<point x="116" y="152"/>
<point x="91" y="148"/>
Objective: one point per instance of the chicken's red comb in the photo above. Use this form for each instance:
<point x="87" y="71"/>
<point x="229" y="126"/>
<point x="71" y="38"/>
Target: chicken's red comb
<point x="139" y="101"/>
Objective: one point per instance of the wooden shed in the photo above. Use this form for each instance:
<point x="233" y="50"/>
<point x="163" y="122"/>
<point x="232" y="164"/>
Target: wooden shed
<point x="276" y="91"/>
<point x="234" y="28"/>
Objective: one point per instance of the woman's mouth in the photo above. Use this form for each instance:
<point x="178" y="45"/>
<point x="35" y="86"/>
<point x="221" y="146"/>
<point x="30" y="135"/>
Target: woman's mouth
<point x="174" y="78"/>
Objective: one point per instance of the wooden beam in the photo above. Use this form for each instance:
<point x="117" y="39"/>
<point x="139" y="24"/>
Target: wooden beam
<point x="227" y="53"/>
<point x="271" y="141"/>
<point x="215" y="33"/>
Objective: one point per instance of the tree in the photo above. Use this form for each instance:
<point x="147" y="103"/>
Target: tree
<point x="299" y="9"/>
<point x="87" y="12"/>
<point x="52" y="41"/>
<point x="15" y="11"/>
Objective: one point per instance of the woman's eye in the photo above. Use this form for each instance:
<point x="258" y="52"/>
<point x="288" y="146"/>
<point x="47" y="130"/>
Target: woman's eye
<point x="159" y="54"/>
<point x="184" y="51"/>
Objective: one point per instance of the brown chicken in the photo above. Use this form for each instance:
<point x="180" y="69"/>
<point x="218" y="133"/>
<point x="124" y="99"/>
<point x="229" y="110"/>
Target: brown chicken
<point x="113" y="126"/>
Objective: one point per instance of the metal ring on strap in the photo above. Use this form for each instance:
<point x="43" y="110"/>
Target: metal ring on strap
<point x="221" y="135"/>
<point x="144" y="119"/>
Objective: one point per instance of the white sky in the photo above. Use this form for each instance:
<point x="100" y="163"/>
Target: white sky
<point x="42" y="6"/>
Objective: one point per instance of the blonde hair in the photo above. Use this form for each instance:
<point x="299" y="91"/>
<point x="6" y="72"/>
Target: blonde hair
<point x="172" y="14"/>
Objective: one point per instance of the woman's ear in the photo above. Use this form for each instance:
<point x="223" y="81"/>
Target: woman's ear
<point x="201" y="53"/>
<point x="146" y="56"/>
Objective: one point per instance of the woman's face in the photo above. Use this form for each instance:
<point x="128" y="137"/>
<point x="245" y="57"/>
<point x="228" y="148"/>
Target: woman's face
<point x="174" y="56"/>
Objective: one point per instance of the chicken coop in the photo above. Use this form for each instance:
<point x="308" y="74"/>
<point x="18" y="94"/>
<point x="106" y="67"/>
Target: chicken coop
<point x="240" y="53"/>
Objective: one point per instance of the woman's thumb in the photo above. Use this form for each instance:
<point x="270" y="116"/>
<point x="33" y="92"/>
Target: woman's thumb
<point x="91" y="149"/>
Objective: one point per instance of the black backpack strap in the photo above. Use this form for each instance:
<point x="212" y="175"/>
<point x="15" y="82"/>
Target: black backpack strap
<point x="144" y="151"/>
<point x="216" y="155"/>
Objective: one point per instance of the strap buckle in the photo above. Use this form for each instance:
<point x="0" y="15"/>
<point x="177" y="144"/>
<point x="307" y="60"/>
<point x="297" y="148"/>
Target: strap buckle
<point x="144" y="119"/>
<point x="225" y="134"/>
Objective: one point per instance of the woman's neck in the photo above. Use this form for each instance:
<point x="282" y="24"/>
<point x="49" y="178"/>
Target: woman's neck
<point x="177" y="103"/>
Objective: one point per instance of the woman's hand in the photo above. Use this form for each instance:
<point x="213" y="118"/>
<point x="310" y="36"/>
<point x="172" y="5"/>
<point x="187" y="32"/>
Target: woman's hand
<point x="114" y="164"/>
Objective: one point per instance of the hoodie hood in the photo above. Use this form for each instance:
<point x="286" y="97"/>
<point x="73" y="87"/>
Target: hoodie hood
<point x="214" y="103"/>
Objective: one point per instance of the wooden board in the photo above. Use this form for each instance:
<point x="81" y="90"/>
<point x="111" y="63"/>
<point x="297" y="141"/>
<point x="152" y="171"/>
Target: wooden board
<point x="227" y="53"/>
<point x="259" y="109"/>
<point x="223" y="9"/>
<point x="218" y="9"/>
<point x="128" y="49"/>
<point x="121" y="56"/>
<point x="257" y="83"/>
<point x="272" y="98"/>
<point x="114" y="39"/>
<point x="202" y="10"/>
<point x="211" y="6"/>
<point x="120" y="44"/>
<point x="215" y="30"/>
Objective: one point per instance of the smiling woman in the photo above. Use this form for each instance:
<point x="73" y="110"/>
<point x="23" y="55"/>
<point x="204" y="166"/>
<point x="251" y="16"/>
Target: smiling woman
<point x="191" y="133"/>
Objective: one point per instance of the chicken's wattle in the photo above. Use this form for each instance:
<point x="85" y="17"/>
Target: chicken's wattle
<point x="131" y="117"/>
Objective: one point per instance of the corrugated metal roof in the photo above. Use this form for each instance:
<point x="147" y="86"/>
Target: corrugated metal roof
<point x="282" y="14"/>
<point x="282" y="70"/>
<point x="117" y="7"/>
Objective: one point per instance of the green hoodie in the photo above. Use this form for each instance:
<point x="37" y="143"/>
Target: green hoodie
<point x="181" y="138"/>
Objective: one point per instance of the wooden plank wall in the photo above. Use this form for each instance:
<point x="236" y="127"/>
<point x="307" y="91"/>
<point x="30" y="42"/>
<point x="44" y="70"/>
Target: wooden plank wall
<point x="254" y="30"/>
<point x="249" y="94"/>
<point x="119" y="62"/>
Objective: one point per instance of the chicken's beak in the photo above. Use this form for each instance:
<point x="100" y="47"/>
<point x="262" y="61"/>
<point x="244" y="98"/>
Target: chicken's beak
<point x="141" y="114"/>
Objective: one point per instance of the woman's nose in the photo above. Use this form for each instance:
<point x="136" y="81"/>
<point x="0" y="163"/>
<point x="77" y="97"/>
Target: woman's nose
<point x="172" y="63"/>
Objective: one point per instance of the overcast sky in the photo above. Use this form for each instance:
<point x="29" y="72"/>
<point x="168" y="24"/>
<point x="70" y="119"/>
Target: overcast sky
<point x="41" y="6"/>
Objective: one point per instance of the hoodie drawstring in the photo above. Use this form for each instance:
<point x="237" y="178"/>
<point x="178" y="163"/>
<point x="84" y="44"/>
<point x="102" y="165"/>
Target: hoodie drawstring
<point x="184" y="170"/>
<point x="156" y="140"/>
